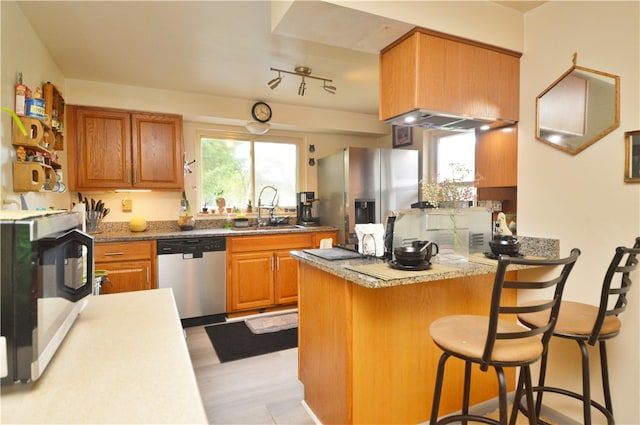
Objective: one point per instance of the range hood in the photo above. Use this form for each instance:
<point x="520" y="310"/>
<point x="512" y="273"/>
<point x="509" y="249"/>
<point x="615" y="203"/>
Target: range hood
<point x="442" y="121"/>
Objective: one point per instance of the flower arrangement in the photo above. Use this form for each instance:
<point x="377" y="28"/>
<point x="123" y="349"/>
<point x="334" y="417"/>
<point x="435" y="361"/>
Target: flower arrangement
<point x="449" y="191"/>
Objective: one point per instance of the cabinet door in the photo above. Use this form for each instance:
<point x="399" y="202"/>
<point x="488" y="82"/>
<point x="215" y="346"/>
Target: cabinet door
<point x="157" y="151"/>
<point x="126" y="276"/>
<point x="497" y="158"/>
<point x="250" y="281"/>
<point x="286" y="278"/>
<point x="100" y="157"/>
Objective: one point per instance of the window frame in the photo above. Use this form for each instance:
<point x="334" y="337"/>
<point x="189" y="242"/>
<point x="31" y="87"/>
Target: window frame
<point x="299" y="142"/>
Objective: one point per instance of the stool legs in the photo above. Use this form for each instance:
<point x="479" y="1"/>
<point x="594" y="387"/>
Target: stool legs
<point x="585" y="397"/>
<point x="605" y="376"/>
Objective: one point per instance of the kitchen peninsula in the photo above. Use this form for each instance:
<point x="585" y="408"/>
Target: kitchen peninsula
<point x="365" y="354"/>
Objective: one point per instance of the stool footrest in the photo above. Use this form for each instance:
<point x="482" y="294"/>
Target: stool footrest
<point x="572" y="394"/>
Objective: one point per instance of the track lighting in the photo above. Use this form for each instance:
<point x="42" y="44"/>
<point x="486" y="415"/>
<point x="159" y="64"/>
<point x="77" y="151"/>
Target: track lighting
<point x="302" y="88"/>
<point x="303" y="72"/>
<point x="329" y="89"/>
<point x="275" y="82"/>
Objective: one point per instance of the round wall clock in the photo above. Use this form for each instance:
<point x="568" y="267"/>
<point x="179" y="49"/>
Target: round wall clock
<point x="261" y="112"/>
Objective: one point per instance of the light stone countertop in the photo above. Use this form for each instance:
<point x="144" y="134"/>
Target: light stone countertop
<point x="124" y="361"/>
<point x="476" y="265"/>
<point x="124" y="234"/>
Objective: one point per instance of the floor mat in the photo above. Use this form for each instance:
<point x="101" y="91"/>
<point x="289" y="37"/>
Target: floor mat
<point x="235" y="341"/>
<point x="266" y="324"/>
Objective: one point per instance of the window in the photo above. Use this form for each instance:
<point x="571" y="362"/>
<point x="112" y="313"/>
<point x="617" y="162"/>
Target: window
<point x="452" y="157"/>
<point x="454" y="152"/>
<point x="237" y="169"/>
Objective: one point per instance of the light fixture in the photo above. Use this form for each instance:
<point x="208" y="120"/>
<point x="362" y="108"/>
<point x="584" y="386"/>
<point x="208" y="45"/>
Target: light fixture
<point x="275" y="82"/>
<point x="303" y="72"/>
<point x="255" y="127"/>
<point x="302" y="88"/>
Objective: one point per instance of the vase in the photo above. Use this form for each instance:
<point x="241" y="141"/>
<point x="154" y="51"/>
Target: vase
<point x="449" y="228"/>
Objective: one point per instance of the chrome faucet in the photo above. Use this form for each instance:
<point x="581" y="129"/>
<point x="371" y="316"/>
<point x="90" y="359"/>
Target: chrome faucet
<point x="272" y="206"/>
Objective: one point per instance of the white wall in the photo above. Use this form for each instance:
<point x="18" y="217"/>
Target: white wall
<point x="582" y="200"/>
<point x="22" y="51"/>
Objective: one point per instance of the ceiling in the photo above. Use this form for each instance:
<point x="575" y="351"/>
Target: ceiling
<point x="222" y="48"/>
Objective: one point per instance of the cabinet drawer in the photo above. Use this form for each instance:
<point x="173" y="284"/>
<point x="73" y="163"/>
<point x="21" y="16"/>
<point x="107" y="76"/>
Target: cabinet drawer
<point x="118" y="251"/>
<point x="269" y="242"/>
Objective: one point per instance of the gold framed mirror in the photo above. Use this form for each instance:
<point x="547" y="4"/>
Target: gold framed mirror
<point x="578" y="109"/>
<point x="632" y="156"/>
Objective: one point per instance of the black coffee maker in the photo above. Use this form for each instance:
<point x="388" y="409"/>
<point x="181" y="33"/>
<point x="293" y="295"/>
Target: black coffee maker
<point x="305" y="209"/>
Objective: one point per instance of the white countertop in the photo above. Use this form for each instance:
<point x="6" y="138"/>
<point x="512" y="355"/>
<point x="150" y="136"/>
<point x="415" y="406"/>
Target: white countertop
<point x="125" y="360"/>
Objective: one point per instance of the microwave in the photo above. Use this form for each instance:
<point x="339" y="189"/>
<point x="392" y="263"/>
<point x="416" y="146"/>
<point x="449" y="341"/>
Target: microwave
<point x="47" y="269"/>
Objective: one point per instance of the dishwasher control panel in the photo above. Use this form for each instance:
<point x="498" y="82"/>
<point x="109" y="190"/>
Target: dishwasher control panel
<point x="194" y="246"/>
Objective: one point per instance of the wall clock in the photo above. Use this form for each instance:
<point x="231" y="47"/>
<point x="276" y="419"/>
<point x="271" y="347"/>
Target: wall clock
<point x="261" y="112"/>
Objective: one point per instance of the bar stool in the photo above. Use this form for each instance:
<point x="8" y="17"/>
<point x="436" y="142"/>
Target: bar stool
<point x="588" y="324"/>
<point x="497" y="342"/>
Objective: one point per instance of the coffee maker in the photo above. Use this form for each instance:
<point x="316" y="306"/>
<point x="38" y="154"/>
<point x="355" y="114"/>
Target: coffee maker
<point x="305" y="209"/>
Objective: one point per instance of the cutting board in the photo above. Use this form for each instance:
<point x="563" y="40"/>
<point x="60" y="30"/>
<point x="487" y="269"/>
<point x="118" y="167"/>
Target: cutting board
<point x="333" y="253"/>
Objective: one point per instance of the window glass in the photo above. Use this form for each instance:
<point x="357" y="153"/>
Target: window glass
<point x="457" y="153"/>
<point x="236" y="170"/>
<point x="276" y="166"/>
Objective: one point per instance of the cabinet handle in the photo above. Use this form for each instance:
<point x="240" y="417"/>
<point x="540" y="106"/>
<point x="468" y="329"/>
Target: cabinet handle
<point x="146" y="269"/>
<point x="111" y="254"/>
<point x="272" y="266"/>
<point x="135" y="176"/>
<point x="128" y="174"/>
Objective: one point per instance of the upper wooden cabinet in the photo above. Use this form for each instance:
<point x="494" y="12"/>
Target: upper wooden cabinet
<point x="438" y="72"/>
<point x="119" y="149"/>
<point x="497" y="157"/>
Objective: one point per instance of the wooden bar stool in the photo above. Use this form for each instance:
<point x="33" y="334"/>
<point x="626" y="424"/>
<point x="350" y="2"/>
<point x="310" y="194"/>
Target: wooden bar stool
<point x="588" y="324"/>
<point x="495" y="341"/>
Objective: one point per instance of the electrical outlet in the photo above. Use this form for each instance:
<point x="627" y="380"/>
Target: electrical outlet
<point x="127" y="205"/>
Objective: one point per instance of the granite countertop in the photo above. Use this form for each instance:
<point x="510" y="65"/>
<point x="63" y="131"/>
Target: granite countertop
<point x="125" y="360"/>
<point x="114" y="232"/>
<point x="372" y="272"/>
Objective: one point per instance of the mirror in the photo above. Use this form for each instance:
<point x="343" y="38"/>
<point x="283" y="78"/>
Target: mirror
<point x="632" y="156"/>
<point x="578" y="109"/>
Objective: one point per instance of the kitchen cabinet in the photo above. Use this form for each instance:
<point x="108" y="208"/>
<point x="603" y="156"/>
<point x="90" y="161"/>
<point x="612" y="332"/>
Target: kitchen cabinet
<point x="131" y="266"/>
<point x="434" y="71"/>
<point x="120" y="149"/>
<point x="260" y="272"/>
<point x="497" y="157"/>
<point x="34" y="176"/>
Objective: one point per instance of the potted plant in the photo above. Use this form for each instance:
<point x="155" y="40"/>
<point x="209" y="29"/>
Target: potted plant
<point x="220" y="201"/>
<point x="249" y="207"/>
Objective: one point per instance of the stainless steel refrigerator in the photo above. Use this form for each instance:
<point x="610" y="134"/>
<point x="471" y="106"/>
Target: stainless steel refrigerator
<point x="360" y="185"/>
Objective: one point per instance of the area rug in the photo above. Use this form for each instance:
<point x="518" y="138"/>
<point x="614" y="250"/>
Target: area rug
<point x="267" y="324"/>
<point x="235" y="341"/>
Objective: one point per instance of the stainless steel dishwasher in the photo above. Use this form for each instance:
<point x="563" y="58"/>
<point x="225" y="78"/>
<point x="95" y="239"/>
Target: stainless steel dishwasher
<point x="195" y="268"/>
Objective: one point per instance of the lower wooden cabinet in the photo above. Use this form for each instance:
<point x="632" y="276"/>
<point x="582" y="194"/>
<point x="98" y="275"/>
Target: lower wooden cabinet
<point x="131" y="265"/>
<point x="260" y="272"/>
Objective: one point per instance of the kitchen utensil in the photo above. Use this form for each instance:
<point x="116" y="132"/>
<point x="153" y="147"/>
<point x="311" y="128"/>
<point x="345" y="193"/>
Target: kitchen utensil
<point x="505" y="247"/>
<point x="419" y="252"/>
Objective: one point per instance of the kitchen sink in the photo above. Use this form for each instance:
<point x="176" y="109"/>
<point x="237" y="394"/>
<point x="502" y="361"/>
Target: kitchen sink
<point x="270" y="228"/>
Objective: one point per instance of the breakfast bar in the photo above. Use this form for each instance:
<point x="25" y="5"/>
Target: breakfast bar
<point x="365" y="354"/>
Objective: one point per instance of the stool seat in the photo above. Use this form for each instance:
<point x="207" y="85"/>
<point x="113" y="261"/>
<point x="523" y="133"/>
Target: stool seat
<point x="576" y="320"/>
<point x="467" y="336"/>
